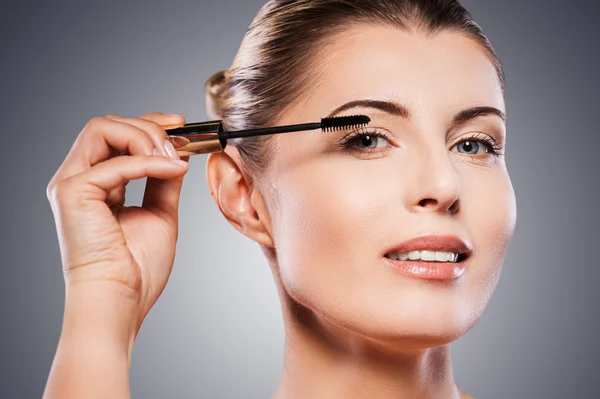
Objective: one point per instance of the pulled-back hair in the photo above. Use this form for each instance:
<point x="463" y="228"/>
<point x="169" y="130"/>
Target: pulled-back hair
<point x="271" y="69"/>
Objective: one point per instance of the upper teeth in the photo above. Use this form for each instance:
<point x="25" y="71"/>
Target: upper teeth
<point x="435" y="256"/>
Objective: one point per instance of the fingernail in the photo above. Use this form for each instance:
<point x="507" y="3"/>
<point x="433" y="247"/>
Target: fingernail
<point x="170" y="149"/>
<point x="155" y="152"/>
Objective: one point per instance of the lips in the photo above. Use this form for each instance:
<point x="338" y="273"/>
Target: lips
<point x="448" y="263"/>
<point x="445" y="243"/>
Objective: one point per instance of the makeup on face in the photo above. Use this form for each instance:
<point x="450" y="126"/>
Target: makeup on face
<point x="431" y="257"/>
<point x="475" y="142"/>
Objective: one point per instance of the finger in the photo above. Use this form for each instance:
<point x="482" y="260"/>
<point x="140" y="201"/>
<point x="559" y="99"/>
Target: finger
<point x="154" y="129"/>
<point x="96" y="183"/>
<point x="116" y="196"/>
<point x="164" y="119"/>
<point x="163" y="196"/>
<point x="100" y="139"/>
<point x="167" y="121"/>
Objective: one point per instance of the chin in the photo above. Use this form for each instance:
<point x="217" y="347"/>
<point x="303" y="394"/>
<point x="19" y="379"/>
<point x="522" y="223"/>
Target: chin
<point x="422" y="332"/>
<point x="394" y="312"/>
<point x="407" y="321"/>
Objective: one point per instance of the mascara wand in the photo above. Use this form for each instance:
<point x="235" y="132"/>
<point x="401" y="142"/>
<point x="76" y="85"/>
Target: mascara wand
<point x="207" y="137"/>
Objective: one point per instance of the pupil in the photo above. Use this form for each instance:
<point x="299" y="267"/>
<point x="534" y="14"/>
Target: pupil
<point x="367" y="141"/>
<point x="469" y="146"/>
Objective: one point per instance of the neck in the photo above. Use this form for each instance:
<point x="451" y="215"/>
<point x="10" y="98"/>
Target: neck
<point x="325" y="361"/>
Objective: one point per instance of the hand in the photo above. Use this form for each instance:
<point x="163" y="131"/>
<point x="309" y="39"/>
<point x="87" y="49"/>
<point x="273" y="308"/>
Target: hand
<point x="124" y="251"/>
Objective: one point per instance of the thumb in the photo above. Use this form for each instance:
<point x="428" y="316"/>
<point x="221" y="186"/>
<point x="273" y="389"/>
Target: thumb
<point x="167" y="121"/>
<point x="163" y="196"/>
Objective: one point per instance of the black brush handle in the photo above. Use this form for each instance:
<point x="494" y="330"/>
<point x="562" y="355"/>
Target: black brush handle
<point x="326" y="124"/>
<point x="270" y="130"/>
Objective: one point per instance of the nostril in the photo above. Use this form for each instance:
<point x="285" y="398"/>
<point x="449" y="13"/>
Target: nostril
<point x="427" y="202"/>
<point x="433" y="203"/>
<point x="454" y="208"/>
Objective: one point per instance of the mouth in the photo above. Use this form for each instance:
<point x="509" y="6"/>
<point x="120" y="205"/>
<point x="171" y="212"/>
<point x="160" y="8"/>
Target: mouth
<point x="427" y="255"/>
<point x="430" y="257"/>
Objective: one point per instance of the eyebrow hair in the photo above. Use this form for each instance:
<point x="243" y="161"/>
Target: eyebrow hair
<point x="395" y="108"/>
<point x="386" y="106"/>
<point x="474" y="112"/>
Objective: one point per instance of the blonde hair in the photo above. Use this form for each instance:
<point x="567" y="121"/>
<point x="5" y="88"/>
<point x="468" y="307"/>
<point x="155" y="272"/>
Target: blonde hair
<point x="271" y="69"/>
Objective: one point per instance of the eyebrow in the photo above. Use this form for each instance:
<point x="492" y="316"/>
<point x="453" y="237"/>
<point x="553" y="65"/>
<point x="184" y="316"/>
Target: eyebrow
<point x="397" y="109"/>
<point x="386" y="106"/>
<point x="470" y="113"/>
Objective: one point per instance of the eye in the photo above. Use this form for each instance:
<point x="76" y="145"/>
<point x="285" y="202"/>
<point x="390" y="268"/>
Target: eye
<point x="477" y="145"/>
<point x="472" y="147"/>
<point x="365" y="140"/>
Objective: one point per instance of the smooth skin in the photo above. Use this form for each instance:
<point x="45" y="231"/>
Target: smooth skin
<point x="116" y="259"/>
<point x="354" y="328"/>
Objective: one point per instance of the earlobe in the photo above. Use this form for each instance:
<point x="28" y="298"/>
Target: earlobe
<point x="233" y="195"/>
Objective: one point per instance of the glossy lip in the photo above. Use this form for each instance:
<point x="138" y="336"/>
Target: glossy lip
<point x="446" y="243"/>
<point x="431" y="270"/>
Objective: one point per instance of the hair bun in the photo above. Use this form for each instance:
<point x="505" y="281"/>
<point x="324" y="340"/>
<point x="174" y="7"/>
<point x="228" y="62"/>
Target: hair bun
<point x="213" y="90"/>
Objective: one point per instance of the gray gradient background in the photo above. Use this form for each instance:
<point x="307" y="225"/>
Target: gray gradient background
<point x="216" y="332"/>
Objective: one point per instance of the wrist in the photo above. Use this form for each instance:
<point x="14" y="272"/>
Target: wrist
<point x="103" y="315"/>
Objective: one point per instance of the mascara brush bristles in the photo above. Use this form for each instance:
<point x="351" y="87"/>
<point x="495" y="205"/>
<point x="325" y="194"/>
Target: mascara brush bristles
<point x="343" y="122"/>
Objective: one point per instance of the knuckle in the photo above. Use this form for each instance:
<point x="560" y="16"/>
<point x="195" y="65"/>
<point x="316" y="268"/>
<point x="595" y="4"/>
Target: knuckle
<point x="121" y="161"/>
<point x="94" y="123"/>
<point x="124" y="162"/>
<point x="60" y="191"/>
<point x="50" y="188"/>
<point x="155" y="128"/>
<point x="52" y="191"/>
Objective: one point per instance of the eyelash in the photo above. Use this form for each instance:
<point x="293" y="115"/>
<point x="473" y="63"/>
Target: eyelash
<point x="494" y="148"/>
<point x="349" y="141"/>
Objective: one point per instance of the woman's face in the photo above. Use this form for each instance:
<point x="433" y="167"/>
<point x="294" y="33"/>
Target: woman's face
<point x="427" y="169"/>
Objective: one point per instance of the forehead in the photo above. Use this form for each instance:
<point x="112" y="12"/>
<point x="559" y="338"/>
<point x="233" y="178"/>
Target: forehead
<point x="428" y="74"/>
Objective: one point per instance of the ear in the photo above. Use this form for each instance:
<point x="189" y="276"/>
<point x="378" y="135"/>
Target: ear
<point x="239" y="201"/>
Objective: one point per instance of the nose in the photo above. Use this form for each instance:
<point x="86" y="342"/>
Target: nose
<point x="435" y="186"/>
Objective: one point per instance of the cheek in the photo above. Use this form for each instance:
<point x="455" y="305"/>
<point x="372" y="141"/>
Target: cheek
<point x="489" y="214"/>
<point x="323" y="231"/>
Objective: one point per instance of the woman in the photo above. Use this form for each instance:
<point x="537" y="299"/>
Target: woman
<point x="386" y="243"/>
